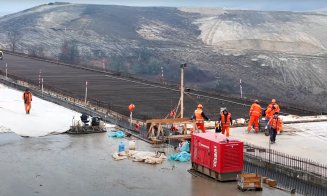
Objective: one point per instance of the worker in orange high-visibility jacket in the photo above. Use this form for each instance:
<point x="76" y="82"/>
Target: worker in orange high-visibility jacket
<point x="199" y="116"/>
<point x="276" y="125"/>
<point x="27" y="97"/>
<point x="255" y="113"/>
<point x="271" y="109"/>
<point x="225" y="121"/>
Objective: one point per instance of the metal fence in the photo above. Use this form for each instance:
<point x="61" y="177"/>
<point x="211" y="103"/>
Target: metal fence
<point x="92" y="107"/>
<point x="287" y="182"/>
<point x="288" y="161"/>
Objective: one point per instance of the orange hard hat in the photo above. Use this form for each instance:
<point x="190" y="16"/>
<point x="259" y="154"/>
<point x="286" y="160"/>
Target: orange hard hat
<point x="200" y="106"/>
<point x="273" y="101"/>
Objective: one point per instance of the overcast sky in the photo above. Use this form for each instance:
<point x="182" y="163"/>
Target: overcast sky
<point x="12" y="6"/>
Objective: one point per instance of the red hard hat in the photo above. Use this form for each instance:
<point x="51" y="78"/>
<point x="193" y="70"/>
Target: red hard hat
<point x="131" y="107"/>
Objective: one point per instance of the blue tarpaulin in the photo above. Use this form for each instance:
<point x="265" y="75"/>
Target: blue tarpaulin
<point x="118" y="134"/>
<point x="185" y="147"/>
<point x="183" y="155"/>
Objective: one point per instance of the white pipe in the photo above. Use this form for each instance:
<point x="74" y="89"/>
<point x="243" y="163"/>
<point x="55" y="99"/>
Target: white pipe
<point x="182" y="91"/>
<point x="241" y="89"/>
<point x="85" y="92"/>
<point x="6" y="71"/>
<point x="42" y="86"/>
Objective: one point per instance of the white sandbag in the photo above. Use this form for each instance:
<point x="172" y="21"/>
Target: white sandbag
<point x="119" y="156"/>
<point x="147" y="157"/>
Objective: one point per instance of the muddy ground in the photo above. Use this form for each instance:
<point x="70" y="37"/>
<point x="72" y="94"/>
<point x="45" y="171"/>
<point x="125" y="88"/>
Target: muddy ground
<point x="82" y="165"/>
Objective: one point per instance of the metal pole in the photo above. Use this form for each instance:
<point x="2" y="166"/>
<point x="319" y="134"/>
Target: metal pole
<point x="40" y="79"/>
<point x="162" y="75"/>
<point x="42" y="86"/>
<point x="182" y="90"/>
<point x="269" y="146"/>
<point x="85" y="92"/>
<point x="6" y="71"/>
<point x="130" y="119"/>
<point x="241" y="90"/>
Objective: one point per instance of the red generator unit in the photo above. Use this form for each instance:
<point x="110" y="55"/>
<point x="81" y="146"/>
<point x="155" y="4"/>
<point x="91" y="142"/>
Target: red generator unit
<point x="217" y="156"/>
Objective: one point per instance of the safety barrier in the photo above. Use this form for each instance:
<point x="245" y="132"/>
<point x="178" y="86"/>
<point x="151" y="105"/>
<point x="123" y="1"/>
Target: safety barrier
<point x="92" y="107"/>
<point x="293" y="166"/>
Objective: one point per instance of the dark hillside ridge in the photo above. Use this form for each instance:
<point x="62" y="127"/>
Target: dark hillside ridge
<point x="278" y="55"/>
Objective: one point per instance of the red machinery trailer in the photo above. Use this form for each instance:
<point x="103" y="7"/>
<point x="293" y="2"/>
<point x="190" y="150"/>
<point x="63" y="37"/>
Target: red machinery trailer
<point x="217" y="156"/>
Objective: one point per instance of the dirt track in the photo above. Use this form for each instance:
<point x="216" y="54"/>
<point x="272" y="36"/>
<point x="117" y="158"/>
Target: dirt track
<point x="151" y="100"/>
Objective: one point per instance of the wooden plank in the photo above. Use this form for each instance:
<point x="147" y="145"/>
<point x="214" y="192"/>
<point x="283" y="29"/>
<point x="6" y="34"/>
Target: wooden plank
<point x="271" y="182"/>
<point x="177" y="137"/>
<point x="169" y="120"/>
<point x="304" y="121"/>
<point x="159" y="130"/>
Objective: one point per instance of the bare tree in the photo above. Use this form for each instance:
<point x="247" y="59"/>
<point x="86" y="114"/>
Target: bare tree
<point x="36" y="51"/>
<point x="69" y="52"/>
<point x="14" y="37"/>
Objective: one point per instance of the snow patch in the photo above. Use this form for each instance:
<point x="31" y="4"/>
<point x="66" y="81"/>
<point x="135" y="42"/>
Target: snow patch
<point x="154" y="30"/>
<point x="45" y="117"/>
<point x="203" y="11"/>
<point x="236" y="33"/>
<point x="294" y="118"/>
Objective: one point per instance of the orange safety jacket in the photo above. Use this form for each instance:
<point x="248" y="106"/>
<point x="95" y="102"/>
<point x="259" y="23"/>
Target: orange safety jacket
<point x="270" y="112"/>
<point x="225" y="121"/>
<point x="198" y="114"/>
<point x="255" y="110"/>
<point x="276" y="123"/>
<point x="27" y="97"/>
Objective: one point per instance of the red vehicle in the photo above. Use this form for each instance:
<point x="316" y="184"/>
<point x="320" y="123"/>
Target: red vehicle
<point x="217" y="156"/>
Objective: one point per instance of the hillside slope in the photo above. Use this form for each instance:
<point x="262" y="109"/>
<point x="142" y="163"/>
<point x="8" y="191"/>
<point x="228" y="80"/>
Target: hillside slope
<point x="276" y="54"/>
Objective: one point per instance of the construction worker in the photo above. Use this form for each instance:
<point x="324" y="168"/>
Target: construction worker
<point x="199" y="116"/>
<point x="255" y="113"/>
<point x="271" y="109"/>
<point x="27" y="97"/>
<point x="275" y="124"/>
<point x="225" y="121"/>
<point x="137" y="126"/>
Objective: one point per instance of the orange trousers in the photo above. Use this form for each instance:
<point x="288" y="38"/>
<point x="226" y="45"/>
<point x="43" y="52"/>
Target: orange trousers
<point x="225" y="128"/>
<point x="201" y="127"/>
<point x="254" y="120"/>
<point x="27" y="107"/>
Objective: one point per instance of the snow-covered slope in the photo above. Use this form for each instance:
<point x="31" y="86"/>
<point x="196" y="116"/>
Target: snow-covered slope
<point x="45" y="117"/>
<point x="303" y="33"/>
<point x="276" y="54"/>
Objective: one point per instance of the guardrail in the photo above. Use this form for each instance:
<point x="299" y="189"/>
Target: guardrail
<point x="92" y="107"/>
<point x="294" y="166"/>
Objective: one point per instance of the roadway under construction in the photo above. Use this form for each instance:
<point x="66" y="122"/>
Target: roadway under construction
<point x="116" y="92"/>
<point x="152" y="101"/>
